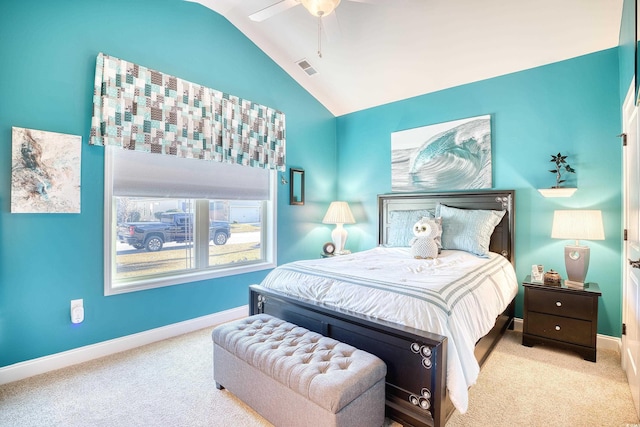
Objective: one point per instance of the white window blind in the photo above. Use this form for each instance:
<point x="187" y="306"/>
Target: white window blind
<point x="154" y="175"/>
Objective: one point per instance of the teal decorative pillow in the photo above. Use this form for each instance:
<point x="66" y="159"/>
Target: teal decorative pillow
<point x="401" y="226"/>
<point x="468" y="229"/>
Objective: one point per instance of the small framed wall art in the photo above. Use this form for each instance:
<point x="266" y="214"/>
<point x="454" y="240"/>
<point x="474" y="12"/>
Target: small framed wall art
<point x="296" y="189"/>
<point x="45" y="172"/>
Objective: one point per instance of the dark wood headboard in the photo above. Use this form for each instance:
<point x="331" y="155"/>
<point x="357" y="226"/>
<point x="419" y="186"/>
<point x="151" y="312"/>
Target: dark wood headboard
<point x="503" y="237"/>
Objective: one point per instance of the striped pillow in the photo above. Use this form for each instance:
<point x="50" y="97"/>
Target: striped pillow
<point x="468" y="229"/>
<point x="401" y="226"/>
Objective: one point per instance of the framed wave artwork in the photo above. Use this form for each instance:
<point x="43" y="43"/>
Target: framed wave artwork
<point x="454" y="155"/>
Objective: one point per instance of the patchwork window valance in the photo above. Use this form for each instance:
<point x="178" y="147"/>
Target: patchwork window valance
<point x="142" y="109"/>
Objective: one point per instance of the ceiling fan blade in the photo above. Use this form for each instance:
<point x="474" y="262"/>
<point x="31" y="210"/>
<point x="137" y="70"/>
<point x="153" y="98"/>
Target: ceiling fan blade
<point x="273" y="10"/>
<point x="331" y="27"/>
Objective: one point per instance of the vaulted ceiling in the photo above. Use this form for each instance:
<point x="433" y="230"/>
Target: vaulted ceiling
<point x="379" y="51"/>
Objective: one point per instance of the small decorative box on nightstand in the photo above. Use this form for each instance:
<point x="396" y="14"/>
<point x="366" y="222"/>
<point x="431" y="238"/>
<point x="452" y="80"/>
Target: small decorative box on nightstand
<point x="562" y="316"/>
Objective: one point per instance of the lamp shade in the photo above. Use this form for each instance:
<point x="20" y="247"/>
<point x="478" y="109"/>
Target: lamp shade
<point x="577" y="225"/>
<point x="339" y="213"/>
<point x="320" y="7"/>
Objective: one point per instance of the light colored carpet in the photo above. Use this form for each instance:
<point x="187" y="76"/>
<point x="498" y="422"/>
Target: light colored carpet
<point x="543" y="386"/>
<point x="170" y="383"/>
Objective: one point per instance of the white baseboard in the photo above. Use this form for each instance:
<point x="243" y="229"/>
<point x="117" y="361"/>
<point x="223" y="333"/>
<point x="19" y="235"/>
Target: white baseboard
<point x="607" y="342"/>
<point x="29" y="368"/>
<point x="517" y="324"/>
<point x="604" y="342"/>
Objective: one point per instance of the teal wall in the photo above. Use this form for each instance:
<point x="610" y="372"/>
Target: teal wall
<point x="627" y="46"/>
<point x="48" y="52"/>
<point x="571" y="106"/>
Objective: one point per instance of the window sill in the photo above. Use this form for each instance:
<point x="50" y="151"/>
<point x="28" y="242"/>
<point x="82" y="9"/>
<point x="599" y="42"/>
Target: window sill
<point x="152" y="283"/>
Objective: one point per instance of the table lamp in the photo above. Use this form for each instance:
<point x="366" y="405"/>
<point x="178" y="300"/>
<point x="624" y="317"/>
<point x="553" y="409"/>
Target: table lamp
<point x="577" y="225"/>
<point x="339" y="214"/>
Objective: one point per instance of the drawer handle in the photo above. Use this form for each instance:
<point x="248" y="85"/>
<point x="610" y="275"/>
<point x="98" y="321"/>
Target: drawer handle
<point x="557" y="327"/>
<point x="634" y="264"/>
<point x="558" y="303"/>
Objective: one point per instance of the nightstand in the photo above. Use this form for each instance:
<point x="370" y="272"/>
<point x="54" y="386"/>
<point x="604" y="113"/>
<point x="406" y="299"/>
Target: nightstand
<point x="561" y="316"/>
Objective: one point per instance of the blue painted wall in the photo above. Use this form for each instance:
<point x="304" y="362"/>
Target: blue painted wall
<point x="48" y="52"/>
<point x="627" y="46"/>
<point x="571" y="106"/>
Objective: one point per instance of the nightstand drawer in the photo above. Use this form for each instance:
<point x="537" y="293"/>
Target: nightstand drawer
<point x="560" y="303"/>
<point x="559" y="328"/>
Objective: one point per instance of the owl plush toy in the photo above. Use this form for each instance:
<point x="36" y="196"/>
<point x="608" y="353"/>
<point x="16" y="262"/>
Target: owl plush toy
<point x="423" y="245"/>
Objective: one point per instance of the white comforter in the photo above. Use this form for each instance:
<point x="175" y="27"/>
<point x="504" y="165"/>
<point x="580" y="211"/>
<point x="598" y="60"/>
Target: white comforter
<point x="457" y="295"/>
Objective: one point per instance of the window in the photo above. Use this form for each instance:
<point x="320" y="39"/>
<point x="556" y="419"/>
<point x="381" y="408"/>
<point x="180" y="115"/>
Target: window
<point x="171" y="220"/>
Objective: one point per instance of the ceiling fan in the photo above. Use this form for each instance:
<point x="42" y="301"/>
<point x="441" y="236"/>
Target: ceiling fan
<point x="318" y="8"/>
<point x="321" y="9"/>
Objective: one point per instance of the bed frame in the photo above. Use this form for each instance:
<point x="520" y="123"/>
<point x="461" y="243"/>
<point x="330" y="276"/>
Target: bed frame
<point x="416" y="393"/>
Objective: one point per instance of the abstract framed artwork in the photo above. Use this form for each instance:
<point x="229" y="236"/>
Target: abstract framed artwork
<point x="45" y="172"/>
<point x="454" y="155"/>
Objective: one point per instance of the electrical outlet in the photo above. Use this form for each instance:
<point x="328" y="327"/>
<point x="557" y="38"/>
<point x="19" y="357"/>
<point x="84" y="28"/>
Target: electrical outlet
<point x="77" y="311"/>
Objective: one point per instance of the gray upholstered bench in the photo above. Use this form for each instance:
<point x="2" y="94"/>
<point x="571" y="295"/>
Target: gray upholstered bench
<point x="294" y="377"/>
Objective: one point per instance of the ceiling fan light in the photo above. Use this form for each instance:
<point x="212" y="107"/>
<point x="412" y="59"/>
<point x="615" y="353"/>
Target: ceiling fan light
<point x="320" y="8"/>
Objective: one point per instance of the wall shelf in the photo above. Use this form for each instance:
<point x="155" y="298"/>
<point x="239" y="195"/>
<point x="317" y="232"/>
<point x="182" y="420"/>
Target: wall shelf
<point x="557" y="192"/>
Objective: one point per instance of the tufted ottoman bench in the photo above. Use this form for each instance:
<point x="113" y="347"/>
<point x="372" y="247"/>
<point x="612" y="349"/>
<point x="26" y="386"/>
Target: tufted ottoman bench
<point x="294" y="377"/>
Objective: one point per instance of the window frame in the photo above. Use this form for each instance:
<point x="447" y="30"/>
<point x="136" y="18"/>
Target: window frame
<point x="268" y="239"/>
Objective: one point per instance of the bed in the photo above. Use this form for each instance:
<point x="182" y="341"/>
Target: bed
<point x="428" y="371"/>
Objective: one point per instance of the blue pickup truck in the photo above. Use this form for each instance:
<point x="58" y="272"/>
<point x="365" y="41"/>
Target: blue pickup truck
<point x="173" y="227"/>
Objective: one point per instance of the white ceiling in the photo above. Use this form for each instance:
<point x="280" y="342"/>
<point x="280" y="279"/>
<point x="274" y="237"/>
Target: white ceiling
<point x="396" y="49"/>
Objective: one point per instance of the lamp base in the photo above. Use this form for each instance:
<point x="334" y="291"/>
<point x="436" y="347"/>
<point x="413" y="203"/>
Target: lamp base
<point x="339" y="238"/>
<point x="576" y="261"/>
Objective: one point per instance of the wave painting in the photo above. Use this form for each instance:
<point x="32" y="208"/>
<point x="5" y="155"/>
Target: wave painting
<point x="447" y="156"/>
